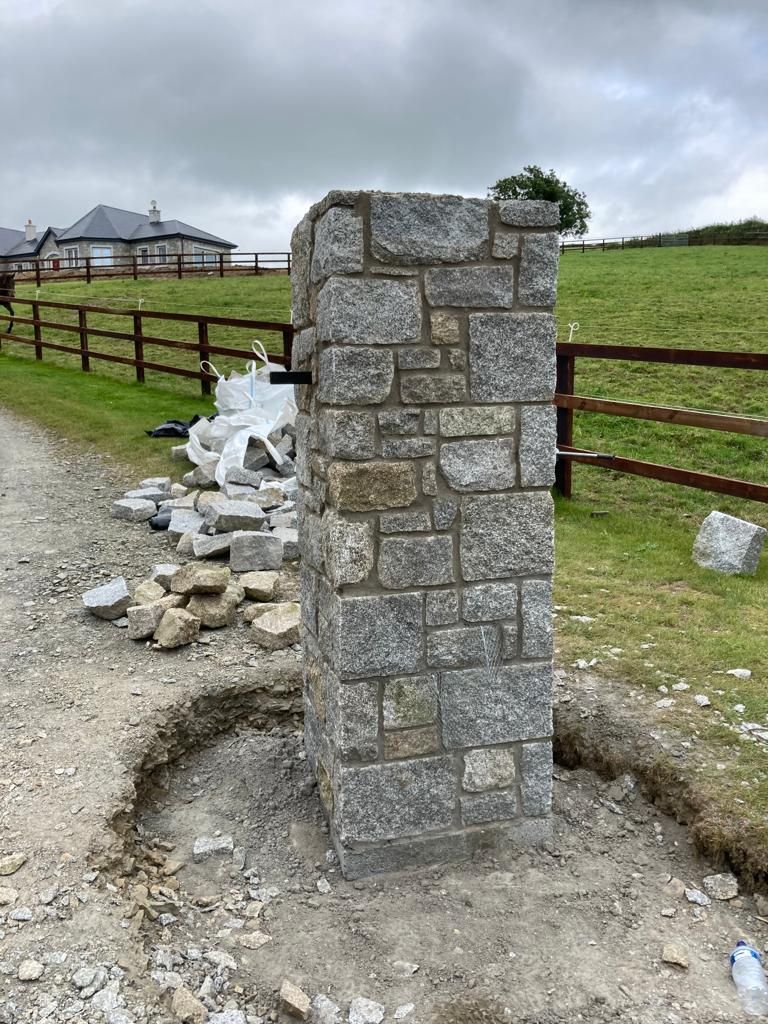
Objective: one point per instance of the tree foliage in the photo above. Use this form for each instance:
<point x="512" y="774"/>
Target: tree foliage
<point x="533" y="183"/>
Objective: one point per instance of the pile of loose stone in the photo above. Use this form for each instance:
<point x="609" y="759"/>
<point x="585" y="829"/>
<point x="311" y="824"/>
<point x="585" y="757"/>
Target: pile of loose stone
<point x="177" y="601"/>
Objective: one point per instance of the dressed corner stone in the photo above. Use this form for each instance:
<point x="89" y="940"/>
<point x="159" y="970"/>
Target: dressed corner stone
<point x="536" y="776"/>
<point x="728" y="544"/>
<point x="537" y="283"/>
<point x="470" y="286"/>
<point x="506" y="535"/>
<point x="353" y="719"/>
<point x="301" y="249"/>
<point x="529" y="213"/>
<point x="372" y="807"/>
<point x="480" y="708"/>
<point x="410" y="228"/>
<point x="348" y="376"/>
<point x="512" y="357"/>
<point x="365" y="486"/>
<point x="369" y="312"/>
<point x="338" y="244"/>
<point x="538" y="445"/>
<point x="374" y="636"/>
<point x="413" y="562"/>
<point x="500" y="805"/>
<point x="479" y="465"/>
<point x="347" y="435"/>
<point x="347" y="549"/>
<point x="538" y="630"/>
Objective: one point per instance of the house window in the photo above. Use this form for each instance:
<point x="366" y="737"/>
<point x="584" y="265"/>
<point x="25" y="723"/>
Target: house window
<point x="72" y="256"/>
<point x="144" y="254"/>
<point x="102" y="255"/>
<point x="161" y="254"/>
<point x="204" y="255"/>
<point x="18" y="266"/>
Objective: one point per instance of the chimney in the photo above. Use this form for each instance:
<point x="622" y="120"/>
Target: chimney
<point x="154" y="213"/>
<point x="30" y="231"/>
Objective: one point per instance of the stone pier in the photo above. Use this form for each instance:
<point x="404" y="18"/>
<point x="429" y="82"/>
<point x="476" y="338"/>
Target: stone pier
<point x="426" y="453"/>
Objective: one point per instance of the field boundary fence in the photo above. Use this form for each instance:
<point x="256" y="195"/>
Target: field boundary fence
<point x="662" y="240"/>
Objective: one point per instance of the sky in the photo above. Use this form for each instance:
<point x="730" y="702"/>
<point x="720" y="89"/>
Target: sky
<point x="236" y="115"/>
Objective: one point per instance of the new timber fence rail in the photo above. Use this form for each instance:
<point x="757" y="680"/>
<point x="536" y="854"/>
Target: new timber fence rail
<point x="137" y="338"/>
<point x="567" y="401"/>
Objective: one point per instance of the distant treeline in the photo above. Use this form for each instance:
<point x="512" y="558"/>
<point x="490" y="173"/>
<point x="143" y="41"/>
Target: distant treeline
<point x="752" y="231"/>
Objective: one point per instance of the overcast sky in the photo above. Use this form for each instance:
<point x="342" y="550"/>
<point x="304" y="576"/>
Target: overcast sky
<point x="235" y="115"/>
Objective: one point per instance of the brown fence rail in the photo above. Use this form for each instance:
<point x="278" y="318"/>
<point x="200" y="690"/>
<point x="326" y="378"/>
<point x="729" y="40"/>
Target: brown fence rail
<point x="137" y="338"/>
<point x="567" y="401"/>
<point x="99" y="268"/>
<point x="660" y="240"/>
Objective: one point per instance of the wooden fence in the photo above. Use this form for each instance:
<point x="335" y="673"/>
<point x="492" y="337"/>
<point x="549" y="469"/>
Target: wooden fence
<point x="567" y="401"/>
<point x="98" y="268"/>
<point x="662" y="240"/>
<point x="137" y="337"/>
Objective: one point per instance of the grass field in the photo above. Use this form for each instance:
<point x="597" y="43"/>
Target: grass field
<point x="658" y="619"/>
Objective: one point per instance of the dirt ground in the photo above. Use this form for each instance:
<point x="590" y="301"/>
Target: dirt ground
<point x="115" y="758"/>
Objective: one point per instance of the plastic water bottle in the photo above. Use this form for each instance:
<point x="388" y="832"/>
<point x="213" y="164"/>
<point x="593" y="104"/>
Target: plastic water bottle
<point x="749" y="979"/>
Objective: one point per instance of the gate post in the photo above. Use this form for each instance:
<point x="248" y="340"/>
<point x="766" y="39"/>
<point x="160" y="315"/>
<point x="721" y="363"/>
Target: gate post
<point x="426" y="450"/>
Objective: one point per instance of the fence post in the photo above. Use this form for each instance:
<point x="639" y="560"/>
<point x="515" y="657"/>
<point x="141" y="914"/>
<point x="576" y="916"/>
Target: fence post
<point x="135" y="266"/>
<point x="202" y="345"/>
<point x="622" y="244"/>
<point x="255" y="263"/>
<point x="87" y="269"/>
<point x="36" y="329"/>
<point x="138" y="346"/>
<point x="178" y="264"/>
<point x="221" y="264"/>
<point x="287" y="347"/>
<point x="289" y="262"/>
<point x="566" y="367"/>
<point x="84" y="360"/>
<point x="37" y="272"/>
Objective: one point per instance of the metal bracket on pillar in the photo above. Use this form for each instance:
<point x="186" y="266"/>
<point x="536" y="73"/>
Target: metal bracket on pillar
<point x="290" y="377"/>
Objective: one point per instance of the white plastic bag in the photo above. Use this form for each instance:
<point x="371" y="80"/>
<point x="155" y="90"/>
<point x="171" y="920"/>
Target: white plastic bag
<point x="249" y="406"/>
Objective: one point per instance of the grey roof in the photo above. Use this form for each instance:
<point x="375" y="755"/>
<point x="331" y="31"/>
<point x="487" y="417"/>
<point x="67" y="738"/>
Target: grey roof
<point x="108" y="222"/>
<point x="25" y="248"/>
<point x="9" y="237"/>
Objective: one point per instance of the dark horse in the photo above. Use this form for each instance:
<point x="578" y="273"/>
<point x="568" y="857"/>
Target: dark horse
<point x="7" y="292"/>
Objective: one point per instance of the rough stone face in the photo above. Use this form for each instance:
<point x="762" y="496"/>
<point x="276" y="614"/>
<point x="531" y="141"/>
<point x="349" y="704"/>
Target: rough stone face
<point x="372" y="806"/>
<point x="213" y="610"/>
<point x="338" y="244"/>
<point x="134" y="510"/>
<point x="184" y="520"/>
<point x="537" y="619"/>
<point x="536" y="775"/>
<point x="196" y="578"/>
<point x="292" y="999"/>
<point x="511" y="357"/>
<point x="466" y="645"/>
<point x="407" y="447"/>
<point x="491" y="601"/>
<point x="537" y="284"/>
<point x="489" y="769"/>
<point x="301" y="251"/>
<point x="399" y="421"/>
<point x="289" y="537"/>
<point x="480" y="708"/>
<point x="204" y="546"/>
<point x="410" y="562"/>
<point x="143" y="620"/>
<point x="413" y="229"/>
<point x="538" y="445"/>
<point x="506" y="535"/>
<point x="444" y="512"/>
<point x="227" y="516"/>
<point x="470" y="286"/>
<point x="728" y="545"/>
<point x="110" y="600"/>
<point x="255" y="552"/>
<point x="483" y="420"/>
<point x="439" y="389"/>
<point x="278" y="627"/>
<point x="444" y="329"/>
<point x="375" y="636"/>
<point x="353" y="717"/>
<point x="505" y="245"/>
<point x="410" y="701"/>
<point x="347" y="549"/>
<point x="348" y="376"/>
<point x="147" y="592"/>
<point x="187" y="1008"/>
<point x="177" y="627"/>
<point x="365" y="486"/>
<point x="205" y="847"/>
<point x="404" y="522"/>
<point x="442" y="607"/>
<point x="259" y="586"/>
<point x="529" y="213"/>
<point x="369" y="312"/>
<point x="479" y="465"/>
<point x="347" y="435"/>
<point x="163" y="573"/>
<point x="418" y="359"/>
<point x="152" y="494"/>
<point x="494" y="806"/>
<point x="401" y="743"/>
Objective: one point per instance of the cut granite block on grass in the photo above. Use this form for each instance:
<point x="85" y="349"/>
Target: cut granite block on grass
<point x="110" y="600"/>
<point x="729" y="545"/>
